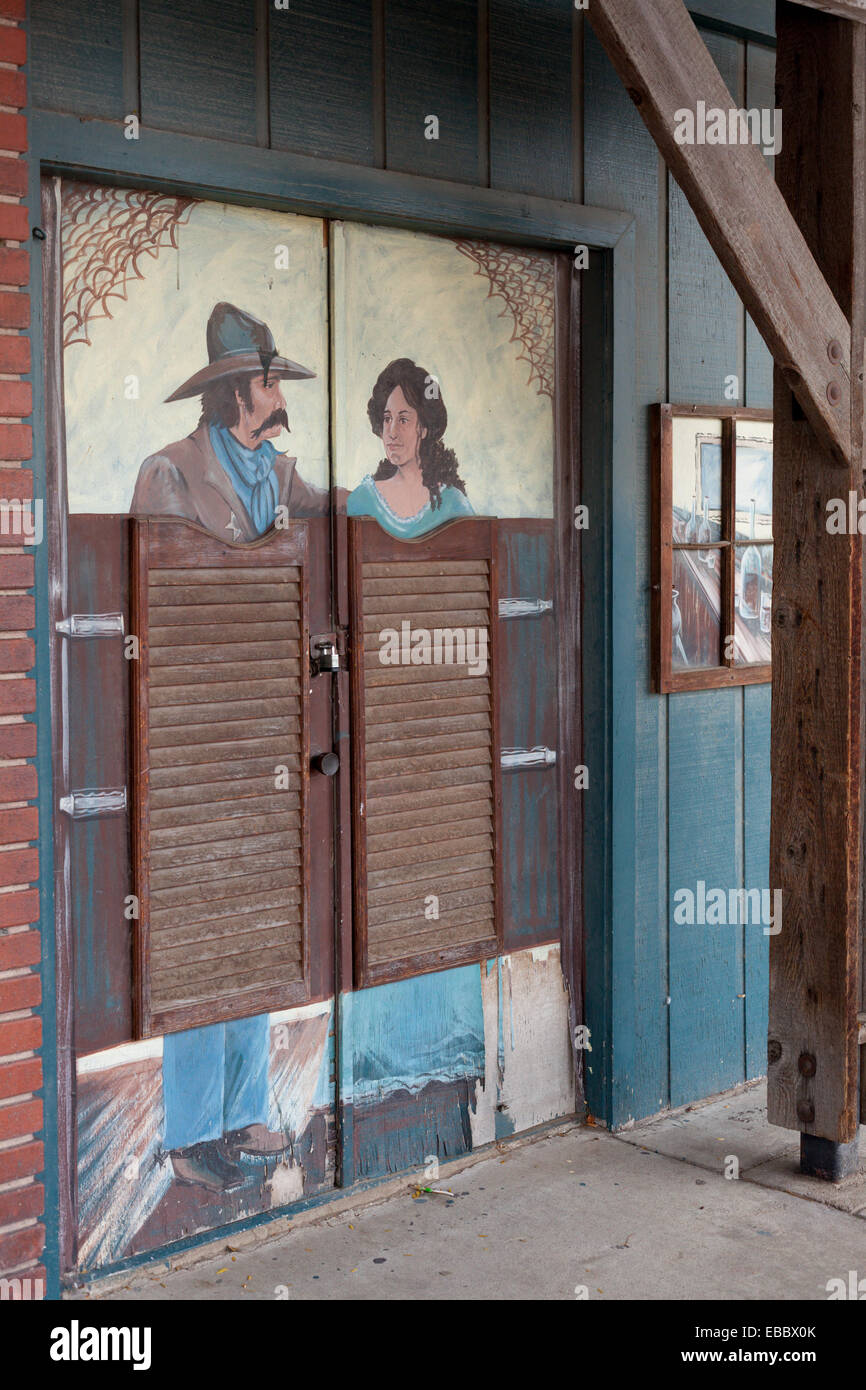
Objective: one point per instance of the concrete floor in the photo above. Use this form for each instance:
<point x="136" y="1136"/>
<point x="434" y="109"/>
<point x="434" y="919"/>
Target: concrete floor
<point x="647" y="1213"/>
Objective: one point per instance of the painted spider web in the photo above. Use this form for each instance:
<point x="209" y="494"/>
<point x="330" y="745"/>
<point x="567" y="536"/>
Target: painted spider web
<point x="525" y="282"/>
<point x="106" y="233"/>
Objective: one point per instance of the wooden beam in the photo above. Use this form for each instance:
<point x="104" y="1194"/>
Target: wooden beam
<point x="817" y="717"/>
<point x="843" y="9"/>
<point x="666" y="68"/>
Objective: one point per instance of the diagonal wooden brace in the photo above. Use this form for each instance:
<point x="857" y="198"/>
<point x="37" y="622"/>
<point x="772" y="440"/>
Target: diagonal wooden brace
<point x="660" y="56"/>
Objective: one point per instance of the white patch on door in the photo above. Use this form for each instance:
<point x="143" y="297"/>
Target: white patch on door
<point x="528" y="1061"/>
<point x="286" y="1185"/>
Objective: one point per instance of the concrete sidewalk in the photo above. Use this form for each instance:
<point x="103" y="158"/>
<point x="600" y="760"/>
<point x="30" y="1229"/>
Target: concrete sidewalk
<point x="646" y="1213"/>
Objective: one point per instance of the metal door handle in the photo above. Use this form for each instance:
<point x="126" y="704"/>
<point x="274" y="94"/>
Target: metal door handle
<point x="327" y="763"/>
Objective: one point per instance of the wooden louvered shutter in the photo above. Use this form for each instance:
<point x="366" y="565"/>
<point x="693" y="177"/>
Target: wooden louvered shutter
<point x="426" y="761"/>
<point x="220" y="705"/>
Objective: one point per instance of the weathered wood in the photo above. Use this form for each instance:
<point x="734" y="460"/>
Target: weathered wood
<point x="395" y="911"/>
<point x="406" y="739"/>
<point x="666" y="68"/>
<point x="211" y="609"/>
<point x="472" y="923"/>
<point x="451" y="615"/>
<point x="701" y="299"/>
<point x="295" y="183"/>
<point x="286" y="579"/>
<point x="168" y="594"/>
<point x="226" y="876"/>
<point x="247" y="826"/>
<point x="257" y="906"/>
<point x="843" y="9"/>
<point x="760" y="92"/>
<point x="75" y="53"/>
<point x="64" y="924"/>
<point x="444" y="584"/>
<point x="198" y="67"/>
<point x="479" y="929"/>
<point x="169" y="639"/>
<point x="167" y="857"/>
<point x="444" y="84"/>
<point x="244" y="802"/>
<point x="218" y="691"/>
<point x="475" y="704"/>
<point x="531" y="52"/>
<point x="177" y="900"/>
<point x="756" y="866"/>
<point x="440" y="601"/>
<point x="321" y="78"/>
<point x="97" y="756"/>
<point x="433" y="690"/>
<point x="816" y="705"/>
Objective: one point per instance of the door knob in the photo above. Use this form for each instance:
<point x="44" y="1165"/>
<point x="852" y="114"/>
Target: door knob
<point x="328" y="763"/>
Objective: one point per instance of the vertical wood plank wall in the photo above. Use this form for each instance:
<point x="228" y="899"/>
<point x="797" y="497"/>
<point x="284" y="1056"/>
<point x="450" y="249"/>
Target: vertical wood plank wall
<point x="702" y="770"/>
<point x="526" y="102"/>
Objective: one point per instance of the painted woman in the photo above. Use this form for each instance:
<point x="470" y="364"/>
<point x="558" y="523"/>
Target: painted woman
<point x="416" y="486"/>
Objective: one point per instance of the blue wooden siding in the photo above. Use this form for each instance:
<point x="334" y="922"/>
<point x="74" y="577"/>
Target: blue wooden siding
<point x="702" y="766"/>
<point x="622" y="169"/>
<point x="527" y="719"/>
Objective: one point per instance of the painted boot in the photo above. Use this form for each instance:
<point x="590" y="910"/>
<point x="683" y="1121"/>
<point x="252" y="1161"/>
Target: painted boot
<point x="202" y="1165"/>
<point x="256" y="1140"/>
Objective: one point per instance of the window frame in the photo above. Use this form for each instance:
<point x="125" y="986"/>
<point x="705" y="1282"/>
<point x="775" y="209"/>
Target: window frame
<point x="728" y="672"/>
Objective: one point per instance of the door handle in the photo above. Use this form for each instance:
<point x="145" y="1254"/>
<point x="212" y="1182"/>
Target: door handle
<point x="326" y="763"/>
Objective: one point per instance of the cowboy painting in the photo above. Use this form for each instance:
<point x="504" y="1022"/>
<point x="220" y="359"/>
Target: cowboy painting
<point x="227" y="475"/>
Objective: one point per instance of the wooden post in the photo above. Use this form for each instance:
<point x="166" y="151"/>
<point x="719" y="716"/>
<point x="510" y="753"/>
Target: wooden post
<point x="817" y="718"/>
<point x="846" y="9"/>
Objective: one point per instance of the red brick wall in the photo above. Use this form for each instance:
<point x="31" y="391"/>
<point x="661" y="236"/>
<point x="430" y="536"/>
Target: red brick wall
<point x="22" y="1233"/>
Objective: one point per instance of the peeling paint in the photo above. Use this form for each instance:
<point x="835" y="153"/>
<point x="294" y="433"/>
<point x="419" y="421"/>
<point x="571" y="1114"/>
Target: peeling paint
<point x="432" y="1066"/>
<point x="409" y="1033"/>
<point x="539" y="1078"/>
<point x="124" y="1055"/>
<point x="129" y="1199"/>
<point x="541" y="953"/>
<point x="286" y="1185"/>
<point x="533" y="1071"/>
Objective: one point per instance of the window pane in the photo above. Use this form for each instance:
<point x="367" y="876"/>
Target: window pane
<point x="753" y="589"/>
<point x="754" y="482"/>
<point x="696" y="483"/>
<point x="696" y="601"/>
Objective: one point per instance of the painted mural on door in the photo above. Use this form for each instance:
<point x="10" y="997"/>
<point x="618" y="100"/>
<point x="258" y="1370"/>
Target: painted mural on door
<point x="197" y="387"/>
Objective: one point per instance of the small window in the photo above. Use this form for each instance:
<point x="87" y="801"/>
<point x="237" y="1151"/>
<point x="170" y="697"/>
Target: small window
<point x="713" y="553"/>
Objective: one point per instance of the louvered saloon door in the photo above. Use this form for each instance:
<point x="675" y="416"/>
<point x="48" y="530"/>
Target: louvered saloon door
<point x="220" y="775"/>
<point x="425" y="772"/>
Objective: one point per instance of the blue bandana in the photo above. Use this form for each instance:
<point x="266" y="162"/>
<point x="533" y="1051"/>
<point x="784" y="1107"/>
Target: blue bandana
<point x="251" y="473"/>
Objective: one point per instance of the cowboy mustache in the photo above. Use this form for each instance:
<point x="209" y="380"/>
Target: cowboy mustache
<point x="276" y="417"/>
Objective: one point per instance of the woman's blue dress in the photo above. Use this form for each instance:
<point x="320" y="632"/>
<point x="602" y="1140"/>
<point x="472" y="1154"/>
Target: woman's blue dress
<point x="367" y="500"/>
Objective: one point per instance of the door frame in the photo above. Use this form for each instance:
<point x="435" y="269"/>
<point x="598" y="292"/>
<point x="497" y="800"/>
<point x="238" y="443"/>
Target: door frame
<point x="602" y="433"/>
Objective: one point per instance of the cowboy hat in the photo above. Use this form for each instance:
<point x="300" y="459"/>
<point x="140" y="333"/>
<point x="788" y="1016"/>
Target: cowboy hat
<point x="238" y="342"/>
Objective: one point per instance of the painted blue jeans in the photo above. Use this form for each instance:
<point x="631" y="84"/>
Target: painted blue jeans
<point x="214" y="1080"/>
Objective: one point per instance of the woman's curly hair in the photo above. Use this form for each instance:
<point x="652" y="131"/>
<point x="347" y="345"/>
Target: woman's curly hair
<point x="438" y="464"/>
